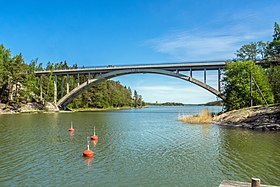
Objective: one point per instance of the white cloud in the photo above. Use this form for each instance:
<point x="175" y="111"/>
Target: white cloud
<point x="217" y="40"/>
<point x="188" y="46"/>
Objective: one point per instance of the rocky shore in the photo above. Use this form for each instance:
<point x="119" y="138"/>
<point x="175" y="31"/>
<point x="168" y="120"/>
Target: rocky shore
<point x="256" y="118"/>
<point x="28" y="108"/>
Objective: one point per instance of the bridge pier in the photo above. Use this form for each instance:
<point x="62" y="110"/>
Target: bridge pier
<point x="41" y="88"/>
<point x="62" y="87"/>
<point x="219" y="80"/>
<point x="88" y="79"/>
<point x="55" y="89"/>
<point x="204" y="75"/>
<point x="78" y="79"/>
<point x="67" y="84"/>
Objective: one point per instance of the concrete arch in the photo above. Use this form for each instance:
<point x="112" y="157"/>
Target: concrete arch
<point x="64" y="101"/>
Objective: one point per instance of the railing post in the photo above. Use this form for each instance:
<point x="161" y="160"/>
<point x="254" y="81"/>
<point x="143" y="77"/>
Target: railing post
<point x="190" y="72"/>
<point x="256" y="182"/>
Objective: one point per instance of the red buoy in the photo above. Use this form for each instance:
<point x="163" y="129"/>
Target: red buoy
<point x="71" y="128"/>
<point x="94" y="137"/>
<point x="88" y="152"/>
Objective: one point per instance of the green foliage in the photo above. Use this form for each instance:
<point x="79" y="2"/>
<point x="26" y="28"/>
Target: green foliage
<point x="237" y="85"/>
<point x="269" y="55"/>
<point x="273" y="73"/>
<point x="17" y="79"/>
<point x="5" y="58"/>
<point x="104" y="95"/>
<point x="18" y="84"/>
<point x="273" y="49"/>
<point x="253" y="51"/>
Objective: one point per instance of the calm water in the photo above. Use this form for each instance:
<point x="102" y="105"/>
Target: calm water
<point x="138" y="147"/>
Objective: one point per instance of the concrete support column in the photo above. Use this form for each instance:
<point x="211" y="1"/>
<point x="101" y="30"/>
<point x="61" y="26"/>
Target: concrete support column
<point x="78" y="79"/>
<point x="55" y="89"/>
<point x="67" y="84"/>
<point x="88" y="77"/>
<point x="205" y="75"/>
<point x="41" y="88"/>
<point x="219" y="79"/>
<point x="62" y="87"/>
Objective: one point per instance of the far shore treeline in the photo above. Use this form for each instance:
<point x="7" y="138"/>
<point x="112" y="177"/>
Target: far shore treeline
<point x="252" y="78"/>
<point x="19" y="85"/>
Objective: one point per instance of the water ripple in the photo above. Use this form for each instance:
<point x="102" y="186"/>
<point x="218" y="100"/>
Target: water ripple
<point x="135" y="148"/>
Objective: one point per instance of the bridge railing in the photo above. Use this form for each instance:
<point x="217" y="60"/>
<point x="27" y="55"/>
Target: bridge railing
<point x="158" y="65"/>
<point x="154" y="64"/>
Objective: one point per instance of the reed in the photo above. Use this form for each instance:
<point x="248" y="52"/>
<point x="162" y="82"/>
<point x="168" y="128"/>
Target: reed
<point x="203" y="117"/>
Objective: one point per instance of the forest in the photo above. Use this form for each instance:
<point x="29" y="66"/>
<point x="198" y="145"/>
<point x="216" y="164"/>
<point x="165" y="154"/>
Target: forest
<point x="19" y="85"/>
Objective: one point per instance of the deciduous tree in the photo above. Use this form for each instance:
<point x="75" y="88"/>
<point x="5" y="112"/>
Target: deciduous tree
<point x="237" y="85"/>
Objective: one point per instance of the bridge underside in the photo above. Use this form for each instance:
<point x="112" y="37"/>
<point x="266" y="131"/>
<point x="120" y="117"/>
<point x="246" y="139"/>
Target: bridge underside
<point x="64" y="101"/>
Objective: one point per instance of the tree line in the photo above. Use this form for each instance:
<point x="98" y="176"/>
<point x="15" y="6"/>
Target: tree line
<point x="253" y="77"/>
<point x="19" y="85"/>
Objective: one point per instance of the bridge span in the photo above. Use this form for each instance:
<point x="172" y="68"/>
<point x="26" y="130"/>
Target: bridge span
<point x="98" y="74"/>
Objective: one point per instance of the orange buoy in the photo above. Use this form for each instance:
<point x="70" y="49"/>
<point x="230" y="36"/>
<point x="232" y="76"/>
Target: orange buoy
<point x="88" y="152"/>
<point x="94" y="137"/>
<point x="71" y="128"/>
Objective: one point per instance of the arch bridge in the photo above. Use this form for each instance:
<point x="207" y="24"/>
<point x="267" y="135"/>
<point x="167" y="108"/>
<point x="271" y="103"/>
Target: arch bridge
<point x="97" y="74"/>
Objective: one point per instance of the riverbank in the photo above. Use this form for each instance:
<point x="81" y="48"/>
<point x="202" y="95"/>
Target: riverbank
<point x="256" y="118"/>
<point x="28" y="108"/>
<point x="49" y="107"/>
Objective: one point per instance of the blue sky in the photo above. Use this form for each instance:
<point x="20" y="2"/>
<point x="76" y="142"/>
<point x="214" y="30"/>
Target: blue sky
<point x="96" y="33"/>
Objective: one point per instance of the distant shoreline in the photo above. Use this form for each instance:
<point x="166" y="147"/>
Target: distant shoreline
<point x="50" y="108"/>
<point x="213" y="103"/>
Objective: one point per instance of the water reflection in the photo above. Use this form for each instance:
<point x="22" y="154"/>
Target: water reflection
<point x="89" y="161"/>
<point x="71" y="134"/>
<point x="205" y="130"/>
<point x="246" y="153"/>
<point x="94" y="142"/>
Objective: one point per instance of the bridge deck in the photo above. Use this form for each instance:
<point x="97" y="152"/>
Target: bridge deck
<point x="171" y="67"/>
